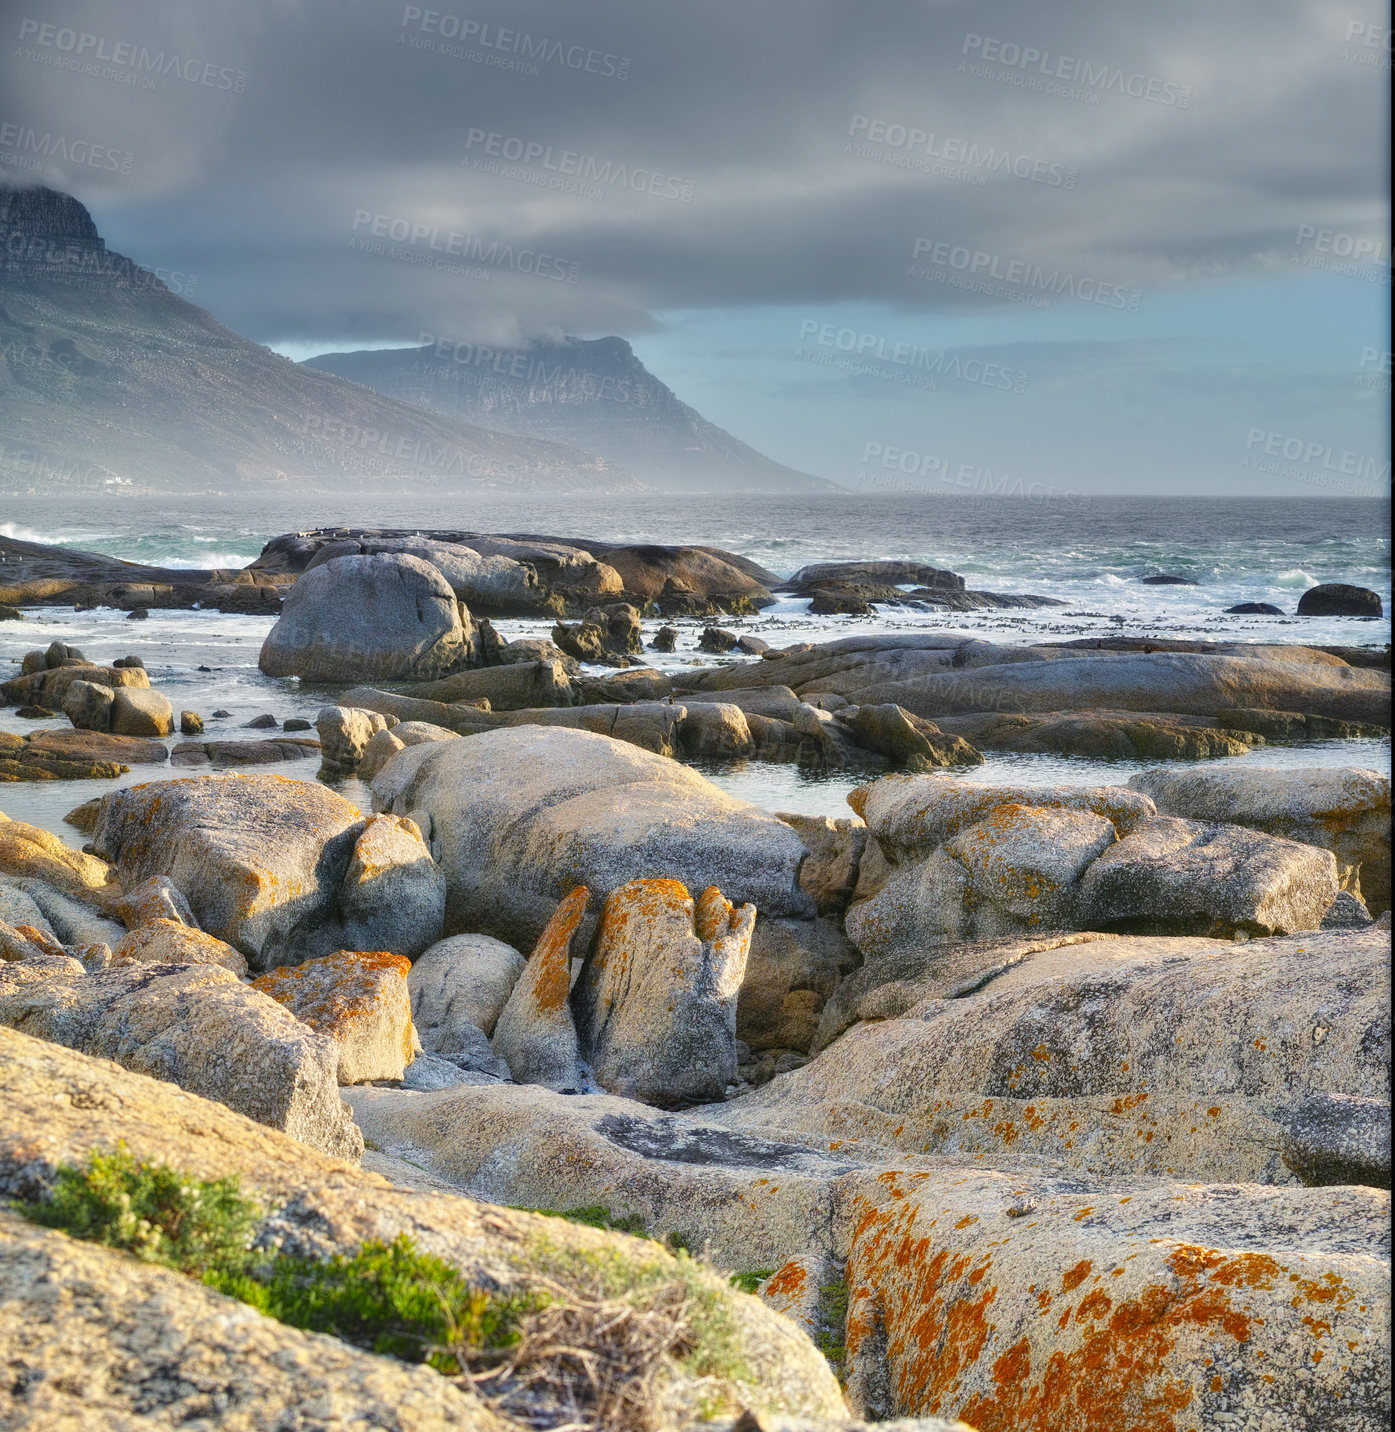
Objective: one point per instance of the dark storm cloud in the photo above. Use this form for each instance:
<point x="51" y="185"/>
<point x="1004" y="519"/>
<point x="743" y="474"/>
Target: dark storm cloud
<point x="1197" y="139"/>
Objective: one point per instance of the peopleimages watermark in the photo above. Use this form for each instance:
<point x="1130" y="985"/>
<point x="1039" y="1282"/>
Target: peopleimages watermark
<point x="414" y="452"/>
<point x="1303" y="460"/>
<point x="58" y="261"/>
<point x="22" y="147"/>
<point x="122" y="61"/>
<point x="1016" y="280"/>
<point x="1063" y="76"/>
<point x="429" y="246"/>
<point x="28" y="463"/>
<point x="531" y="368"/>
<point x="865" y="354"/>
<point x="895" y="469"/>
<point x="501" y="48"/>
<point x="1368" y="45"/>
<point x="1373" y="371"/>
<point x="945" y="156"/>
<point x="1337" y="252"/>
<point x="566" y="170"/>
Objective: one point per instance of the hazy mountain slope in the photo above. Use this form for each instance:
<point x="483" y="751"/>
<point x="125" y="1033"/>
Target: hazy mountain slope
<point x="110" y="378"/>
<point x="594" y="393"/>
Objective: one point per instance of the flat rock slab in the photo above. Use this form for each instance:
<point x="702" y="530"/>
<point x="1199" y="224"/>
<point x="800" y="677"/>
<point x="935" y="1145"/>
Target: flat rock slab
<point x="1114" y="1057"/>
<point x="244" y="753"/>
<point x="100" y="746"/>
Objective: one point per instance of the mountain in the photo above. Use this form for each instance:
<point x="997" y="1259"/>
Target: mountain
<point x="110" y="379"/>
<point x="594" y="393"/>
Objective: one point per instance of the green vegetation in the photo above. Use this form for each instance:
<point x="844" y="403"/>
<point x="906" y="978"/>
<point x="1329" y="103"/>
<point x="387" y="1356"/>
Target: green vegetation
<point x="387" y="1298"/>
<point x="199" y="1226"/>
<point x="833" y="1323"/>
<point x="749" y="1282"/>
<point x="594" y="1215"/>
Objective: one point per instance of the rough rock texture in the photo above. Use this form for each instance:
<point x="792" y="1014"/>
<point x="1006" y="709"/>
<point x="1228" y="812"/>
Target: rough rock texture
<point x="87" y="705"/>
<point x="26" y="850"/>
<point x="360" y="1001"/>
<point x="171" y="942"/>
<point x="516" y="818"/>
<point x="98" y="1338"/>
<point x="792" y="969"/>
<point x="1015" y="1300"/>
<point x="1182" y="877"/>
<point x="345" y="732"/>
<point x="55" y="1106"/>
<point x="154" y="899"/>
<point x="49" y="686"/>
<point x="535" y="1033"/>
<point x="1110" y="1056"/>
<point x="141" y="713"/>
<point x="72" y="922"/>
<point x="384" y="618"/>
<point x="715" y="728"/>
<point x="656" y="1001"/>
<point x="1339" y="599"/>
<point x="223" y="754"/>
<point x="282" y="869"/>
<point x="894" y="732"/>
<point x="1105" y="735"/>
<point x="1342" y="809"/>
<point x="197" y="1026"/>
<point x="829" y="872"/>
<point x="98" y="746"/>
<point x="461" y="981"/>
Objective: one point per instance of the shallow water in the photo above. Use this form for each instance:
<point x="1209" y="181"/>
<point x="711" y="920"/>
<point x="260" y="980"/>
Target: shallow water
<point x="174" y="644"/>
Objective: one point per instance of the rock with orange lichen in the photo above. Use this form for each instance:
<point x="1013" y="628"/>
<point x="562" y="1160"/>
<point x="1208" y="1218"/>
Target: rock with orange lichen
<point x="517" y="817"/>
<point x="1115" y="1057"/>
<point x="535" y="1034"/>
<point x="357" y="1000"/>
<point x="656" y="1001"/>
<point x="170" y="942"/>
<point x="1181" y="877"/>
<point x="31" y="901"/>
<point x="1016" y="869"/>
<point x="284" y="870"/>
<point x="794" y="1289"/>
<point x="155" y="899"/>
<point x="1022" y="1302"/>
<point x="197" y="1026"/>
<point x="1344" y="809"/>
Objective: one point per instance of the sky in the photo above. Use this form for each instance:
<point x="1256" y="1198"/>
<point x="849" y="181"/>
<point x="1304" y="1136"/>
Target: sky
<point x="1100" y="246"/>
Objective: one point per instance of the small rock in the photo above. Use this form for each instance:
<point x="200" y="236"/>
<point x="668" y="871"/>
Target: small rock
<point x="1255" y="609"/>
<point x="296" y="723"/>
<point x="157" y="898"/>
<point x="717" y="640"/>
<point x="190" y="723"/>
<point x="141" y="713"/>
<point x="266" y="722"/>
<point x="164" y="941"/>
<point x="665" y="639"/>
<point x="36" y="713"/>
<point x="221" y="715"/>
<point x="1339" y="599"/>
<point x="138" y="614"/>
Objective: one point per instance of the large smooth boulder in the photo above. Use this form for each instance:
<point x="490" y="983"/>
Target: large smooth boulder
<point x="1340" y="599"/>
<point x="516" y="818"/>
<point x="536" y="1034"/>
<point x="1344" y="809"/>
<point x="386" y="618"/>
<point x="282" y="869"/>
<point x="87" y="705"/>
<point x="360" y="1002"/>
<point x="460" y="985"/>
<point x="197" y="1026"/>
<point x="656" y="1001"/>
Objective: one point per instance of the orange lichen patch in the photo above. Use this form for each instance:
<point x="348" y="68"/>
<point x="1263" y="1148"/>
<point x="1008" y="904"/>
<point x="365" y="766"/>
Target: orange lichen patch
<point x="1076" y="1276"/>
<point x="333" y="990"/>
<point x="714" y="914"/>
<point x="35" y="936"/>
<point x="787" y="1282"/>
<point x="552" y="953"/>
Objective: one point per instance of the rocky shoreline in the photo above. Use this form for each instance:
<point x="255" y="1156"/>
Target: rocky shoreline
<point x="1052" y="1107"/>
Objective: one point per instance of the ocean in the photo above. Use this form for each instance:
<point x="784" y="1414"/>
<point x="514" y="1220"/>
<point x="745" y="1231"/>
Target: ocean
<point x="1090" y="555"/>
